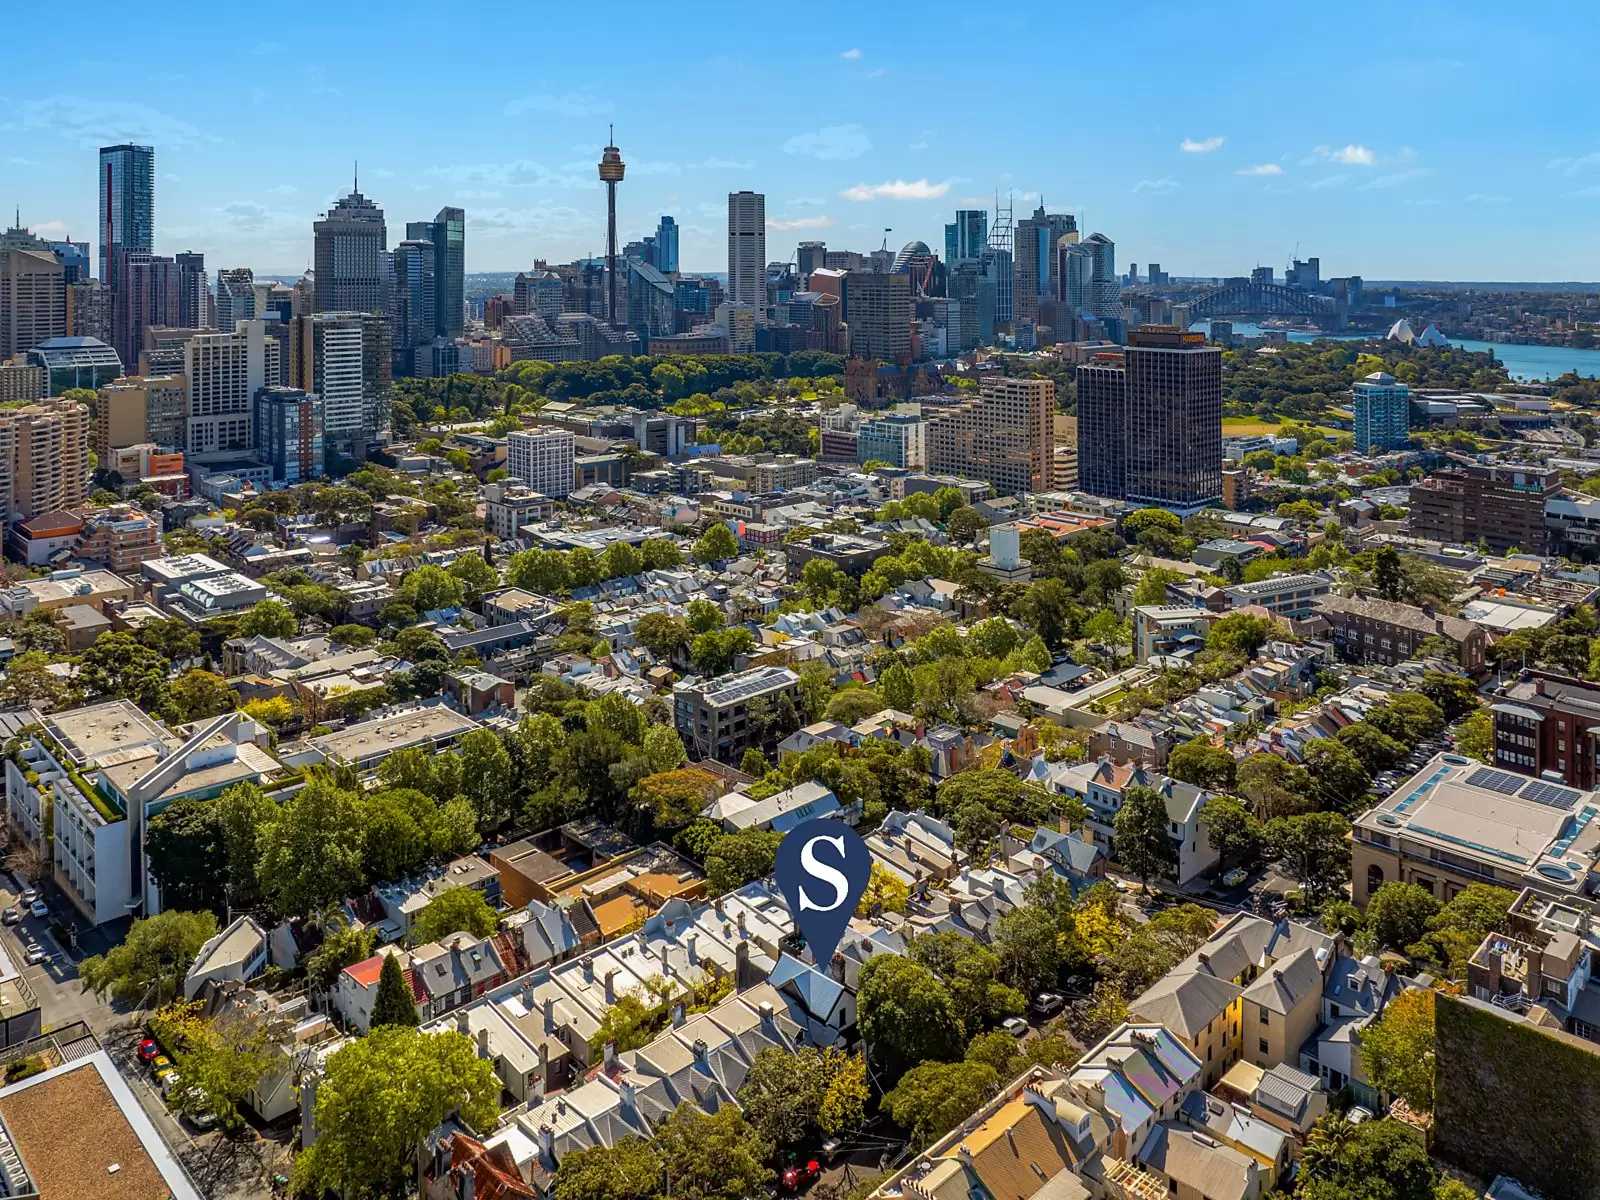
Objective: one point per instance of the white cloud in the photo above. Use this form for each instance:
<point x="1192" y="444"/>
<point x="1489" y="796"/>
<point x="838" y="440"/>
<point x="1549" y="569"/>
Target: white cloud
<point x="1206" y="146"/>
<point x="569" y="104"/>
<point x="1164" y="184"/>
<point x="1575" y="165"/>
<point x="46" y="228"/>
<point x="799" y="223"/>
<point x="851" y="54"/>
<point x="832" y="142"/>
<point x="1583" y="193"/>
<point x="878" y="74"/>
<point x="1484" y="198"/>
<point x="898" y="189"/>
<point x="1355" y="156"/>
<point x="923" y="141"/>
<point x="720" y="164"/>
<point x="1261" y="169"/>
<point x="284" y="189"/>
<point x="1397" y="179"/>
<point x="807" y="202"/>
<point x="654" y="168"/>
<point x="22" y="162"/>
<point x="100" y="122"/>
<point x="1328" y="181"/>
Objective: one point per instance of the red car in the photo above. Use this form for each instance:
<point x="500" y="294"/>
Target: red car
<point x="148" y="1050"/>
<point x="799" y="1177"/>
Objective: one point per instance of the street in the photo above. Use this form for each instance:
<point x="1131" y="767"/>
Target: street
<point x="221" y="1170"/>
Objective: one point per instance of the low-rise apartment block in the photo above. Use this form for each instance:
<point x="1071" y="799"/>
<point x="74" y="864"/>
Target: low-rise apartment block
<point x="1386" y="631"/>
<point x="713" y="716"/>
<point x="1546" y="725"/>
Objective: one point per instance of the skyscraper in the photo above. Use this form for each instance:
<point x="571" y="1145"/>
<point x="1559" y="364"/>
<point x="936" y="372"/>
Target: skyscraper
<point x="350" y="241"/>
<point x="1036" y="240"/>
<point x="412" y="304"/>
<point x="447" y="233"/>
<point x="877" y="307"/>
<point x="667" y="246"/>
<point x="236" y="297"/>
<point x="147" y="294"/>
<point x="1105" y="288"/>
<point x="127" y="204"/>
<point x="967" y="235"/>
<point x="1004" y="435"/>
<point x="1102" y="424"/>
<point x="33" y="293"/>
<point x="611" y="172"/>
<point x="1160" y="413"/>
<point x="193" y="311"/>
<point x="747" y="250"/>
<point x="808" y="256"/>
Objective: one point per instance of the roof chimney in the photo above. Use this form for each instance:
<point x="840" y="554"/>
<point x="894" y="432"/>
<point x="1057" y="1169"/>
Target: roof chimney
<point x="611" y="987"/>
<point x="549" y="1014"/>
<point x="766" y="1011"/>
<point x="483" y="1043"/>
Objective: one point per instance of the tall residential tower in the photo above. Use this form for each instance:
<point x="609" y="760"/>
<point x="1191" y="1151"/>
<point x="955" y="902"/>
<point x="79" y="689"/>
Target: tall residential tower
<point x="747" y="250"/>
<point x="350" y="240"/>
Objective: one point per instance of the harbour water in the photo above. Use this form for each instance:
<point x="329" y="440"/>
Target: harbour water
<point x="1522" y="362"/>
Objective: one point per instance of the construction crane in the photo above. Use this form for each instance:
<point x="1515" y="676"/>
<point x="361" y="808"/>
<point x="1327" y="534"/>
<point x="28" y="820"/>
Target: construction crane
<point x="883" y="249"/>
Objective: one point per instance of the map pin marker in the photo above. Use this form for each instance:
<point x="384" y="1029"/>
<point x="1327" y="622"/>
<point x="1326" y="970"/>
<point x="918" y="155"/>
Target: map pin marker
<point x="823" y="868"/>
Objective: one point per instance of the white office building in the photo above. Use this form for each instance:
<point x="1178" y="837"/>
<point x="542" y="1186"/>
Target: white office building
<point x="543" y="459"/>
<point x="225" y="371"/>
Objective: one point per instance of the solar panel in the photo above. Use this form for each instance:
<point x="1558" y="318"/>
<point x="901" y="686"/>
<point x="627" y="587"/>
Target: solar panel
<point x="1496" y="781"/>
<point x="1550" y="794"/>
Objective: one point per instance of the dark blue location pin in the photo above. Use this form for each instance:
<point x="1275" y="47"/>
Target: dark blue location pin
<point x="823" y="869"/>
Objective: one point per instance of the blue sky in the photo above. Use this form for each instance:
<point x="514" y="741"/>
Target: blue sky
<point x="1428" y="140"/>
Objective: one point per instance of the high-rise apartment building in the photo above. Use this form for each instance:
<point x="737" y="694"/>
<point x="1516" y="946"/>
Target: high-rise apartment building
<point x="739" y="320"/>
<point x="1003" y="435"/>
<point x="137" y="410"/>
<point x="446" y="233"/>
<point x="1382" y="408"/>
<point x="194" y="297"/>
<point x="747" y="250"/>
<point x="224" y="372"/>
<point x="288" y="433"/>
<point x="877" y="308"/>
<point x="236" y="297"/>
<point x="1500" y="506"/>
<point x="33" y="294"/>
<point x="1157" y="415"/>
<point x="808" y="256"/>
<point x="344" y="357"/>
<point x="127" y="205"/>
<point x="350" y="241"/>
<point x="147" y="294"/>
<point x="543" y="459"/>
<point x="667" y="246"/>
<point x="967" y="235"/>
<point x="44" y="458"/>
<point x="412" y="303"/>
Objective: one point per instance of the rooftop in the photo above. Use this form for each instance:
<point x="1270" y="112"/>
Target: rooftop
<point x="382" y="737"/>
<point x="1477" y="818"/>
<point x="80" y="1132"/>
<point x="88" y="734"/>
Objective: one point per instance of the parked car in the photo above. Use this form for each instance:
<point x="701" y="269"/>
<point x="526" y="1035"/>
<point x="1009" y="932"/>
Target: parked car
<point x="36" y="954"/>
<point x="161" y="1066"/>
<point x="39" y="908"/>
<point x="800" y="1176"/>
<point x="1047" y="1004"/>
<point x="29" y="895"/>
<point x="1235" y="877"/>
<point x="1015" y="1026"/>
<point x="148" y="1049"/>
<point x="203" y="1121"/>
<point x="11" y="915"/>
<point x="1357" y="1115"/>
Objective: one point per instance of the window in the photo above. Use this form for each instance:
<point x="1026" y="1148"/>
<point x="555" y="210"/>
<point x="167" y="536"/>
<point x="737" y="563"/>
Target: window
<point x="1263" y="1044"/>
<point x="1266" y="1017"/>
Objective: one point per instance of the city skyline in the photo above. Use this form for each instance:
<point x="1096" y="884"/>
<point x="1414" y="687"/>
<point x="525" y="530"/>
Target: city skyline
<point x="1399" y="177"/>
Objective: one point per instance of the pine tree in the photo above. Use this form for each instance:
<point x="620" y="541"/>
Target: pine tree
<point x="394" y="1005"/>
